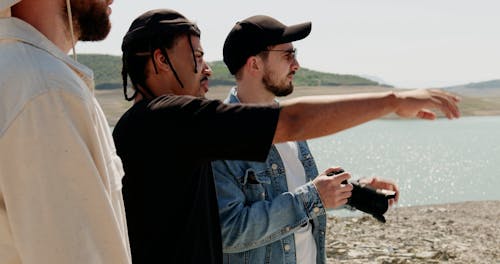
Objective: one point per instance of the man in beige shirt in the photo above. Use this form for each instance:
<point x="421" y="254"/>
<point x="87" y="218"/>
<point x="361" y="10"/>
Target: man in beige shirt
<point x="60" y="179"/>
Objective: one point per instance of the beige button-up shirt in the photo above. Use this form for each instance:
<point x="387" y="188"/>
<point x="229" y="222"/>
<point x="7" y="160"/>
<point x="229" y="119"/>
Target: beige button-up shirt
<point x="60" y="178"/>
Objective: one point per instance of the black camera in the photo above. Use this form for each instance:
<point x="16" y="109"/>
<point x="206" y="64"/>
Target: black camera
<point x="367" y="199"/>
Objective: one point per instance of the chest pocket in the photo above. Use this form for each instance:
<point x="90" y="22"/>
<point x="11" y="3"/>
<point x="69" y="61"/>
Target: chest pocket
<point x="255" y="185"/>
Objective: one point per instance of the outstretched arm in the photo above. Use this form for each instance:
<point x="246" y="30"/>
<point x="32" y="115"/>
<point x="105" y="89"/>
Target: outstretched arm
<point x="315" y="116"/>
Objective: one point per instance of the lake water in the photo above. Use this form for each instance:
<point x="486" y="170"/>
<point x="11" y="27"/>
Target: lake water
<point x="433" y="162"/>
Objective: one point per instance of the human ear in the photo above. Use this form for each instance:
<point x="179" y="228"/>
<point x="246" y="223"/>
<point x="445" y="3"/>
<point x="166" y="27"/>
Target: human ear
<point x="254" y="63"/>
<point x="160" y="60"/>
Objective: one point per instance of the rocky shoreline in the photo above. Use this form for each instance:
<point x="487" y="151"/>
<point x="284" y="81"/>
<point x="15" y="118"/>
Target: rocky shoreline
<point x="467" y="232"/>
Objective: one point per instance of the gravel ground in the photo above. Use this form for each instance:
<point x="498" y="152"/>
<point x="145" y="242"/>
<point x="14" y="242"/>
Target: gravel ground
<point x="467" y="232"/>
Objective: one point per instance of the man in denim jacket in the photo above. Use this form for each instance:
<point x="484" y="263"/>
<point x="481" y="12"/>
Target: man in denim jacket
<point x="271" y="212"/>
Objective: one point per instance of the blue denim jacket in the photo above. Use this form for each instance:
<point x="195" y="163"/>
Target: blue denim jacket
<point x="258" y="213"/>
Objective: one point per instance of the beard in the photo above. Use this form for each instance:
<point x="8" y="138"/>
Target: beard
<point x="280" y="88"/>
<point x="91" y="20"/>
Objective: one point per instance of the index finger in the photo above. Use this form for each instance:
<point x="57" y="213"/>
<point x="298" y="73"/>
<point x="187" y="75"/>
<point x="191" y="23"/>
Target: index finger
<point x="337" y="179"/>
<point x="447" y="102"/>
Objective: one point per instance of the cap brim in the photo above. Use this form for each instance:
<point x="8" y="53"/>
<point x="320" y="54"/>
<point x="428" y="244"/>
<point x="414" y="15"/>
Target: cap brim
<point x="296" y="32"/>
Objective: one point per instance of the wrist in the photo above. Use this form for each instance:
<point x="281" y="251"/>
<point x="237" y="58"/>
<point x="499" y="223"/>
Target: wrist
<point x="393" y="100"/>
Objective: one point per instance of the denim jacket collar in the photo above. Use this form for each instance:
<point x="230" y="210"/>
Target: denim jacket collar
<point x="232" y="98"/>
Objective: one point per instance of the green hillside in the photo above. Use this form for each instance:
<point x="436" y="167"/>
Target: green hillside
<point x="304" y="77"/>
<point x="107" y="72"/>
<point x="107" y="69"/>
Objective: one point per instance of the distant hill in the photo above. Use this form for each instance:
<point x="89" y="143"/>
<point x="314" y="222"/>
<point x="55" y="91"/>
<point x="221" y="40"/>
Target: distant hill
<point x="481" y="98"/>
<point x="107" y="69"/>
<point x="107" y="72"/>
<point x="376" y="79"/>
<point x="304" y="77"/>
<point x="478" y="85"/>
<point x="477" y="89"/>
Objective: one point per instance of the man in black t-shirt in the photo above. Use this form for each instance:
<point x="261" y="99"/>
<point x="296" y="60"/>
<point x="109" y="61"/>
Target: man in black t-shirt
<point x="169" y="137"/>
<point x="167" y="141"/>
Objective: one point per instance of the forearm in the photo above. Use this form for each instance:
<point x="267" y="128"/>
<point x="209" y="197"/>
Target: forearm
<point x="315" y="116"/>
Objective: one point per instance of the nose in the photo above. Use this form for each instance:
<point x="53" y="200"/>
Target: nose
<point x="206" y="69"/>
<point x="295" y="64"/>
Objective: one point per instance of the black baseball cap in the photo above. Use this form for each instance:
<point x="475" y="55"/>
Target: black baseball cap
<point x="254" y="34"/>
<point x="155" y="24"/>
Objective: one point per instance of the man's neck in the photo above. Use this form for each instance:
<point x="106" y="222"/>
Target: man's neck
<point x="45" y="16"/>
<point x="251" y="93"/>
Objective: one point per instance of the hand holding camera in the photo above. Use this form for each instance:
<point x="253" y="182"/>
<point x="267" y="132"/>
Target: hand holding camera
<point x="368" y="199"/>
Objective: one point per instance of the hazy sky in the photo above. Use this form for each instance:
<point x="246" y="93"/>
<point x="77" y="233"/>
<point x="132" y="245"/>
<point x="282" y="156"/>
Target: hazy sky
<point x="409" y="44"/>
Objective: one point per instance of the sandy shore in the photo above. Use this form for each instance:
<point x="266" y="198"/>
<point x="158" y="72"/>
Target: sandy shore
<point x="466" y="232"/>
<point x="114" y="105"/>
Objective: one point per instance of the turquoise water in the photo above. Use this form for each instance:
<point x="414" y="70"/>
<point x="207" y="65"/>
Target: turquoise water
<point x="433" y="162"/>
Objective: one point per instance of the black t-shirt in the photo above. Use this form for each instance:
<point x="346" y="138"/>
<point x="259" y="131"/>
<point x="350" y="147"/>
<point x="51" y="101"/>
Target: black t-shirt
<point x="166" y="146"/>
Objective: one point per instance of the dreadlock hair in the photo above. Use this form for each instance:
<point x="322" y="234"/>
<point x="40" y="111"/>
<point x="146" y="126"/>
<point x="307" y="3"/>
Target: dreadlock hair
<point x="155" y="29"/>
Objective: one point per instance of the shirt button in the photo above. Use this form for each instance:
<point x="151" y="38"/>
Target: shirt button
<point x="287" y="247"/>
<point x="316" y="210"/>
<point x="274" y="166"/>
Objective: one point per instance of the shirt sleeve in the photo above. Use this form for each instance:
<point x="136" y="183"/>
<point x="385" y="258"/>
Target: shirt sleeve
<point x="220" y="131"/>
<point x="59" y="202"/>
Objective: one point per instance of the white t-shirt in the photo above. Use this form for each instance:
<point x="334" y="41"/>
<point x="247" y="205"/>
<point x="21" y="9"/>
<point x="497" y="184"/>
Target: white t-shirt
<point x="295" y="177"/>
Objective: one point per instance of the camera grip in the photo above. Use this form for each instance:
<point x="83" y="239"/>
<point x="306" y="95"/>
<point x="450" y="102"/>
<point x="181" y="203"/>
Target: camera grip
<point x="368" y="199"/>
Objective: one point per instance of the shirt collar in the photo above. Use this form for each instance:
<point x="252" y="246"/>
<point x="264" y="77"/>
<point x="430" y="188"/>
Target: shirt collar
<point x="14" y="29"/>
<point x="232" y="98"/>
<point x="5" y="7"/>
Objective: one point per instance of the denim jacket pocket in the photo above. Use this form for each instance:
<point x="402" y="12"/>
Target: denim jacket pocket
<point x="253" y="185"/>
